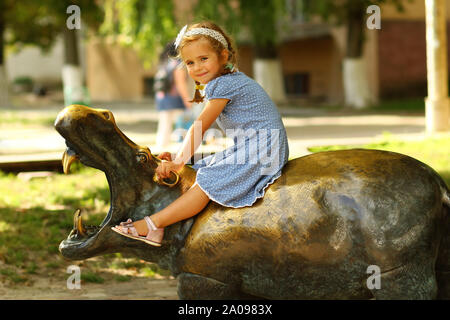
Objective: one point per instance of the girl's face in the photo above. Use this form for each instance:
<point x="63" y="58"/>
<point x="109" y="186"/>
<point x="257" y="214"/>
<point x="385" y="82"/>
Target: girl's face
<point x="202" y="62"/>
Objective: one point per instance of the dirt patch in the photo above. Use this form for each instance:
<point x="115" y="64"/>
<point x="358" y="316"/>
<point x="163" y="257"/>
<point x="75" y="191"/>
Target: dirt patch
<point x="137" y="288"/>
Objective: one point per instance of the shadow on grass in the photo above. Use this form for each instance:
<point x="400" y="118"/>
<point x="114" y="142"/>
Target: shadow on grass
<point x="30" y="236"/>
<point x="87" y="200"/>
<point x="29" y="242"/>
<point x="36" y="215"/>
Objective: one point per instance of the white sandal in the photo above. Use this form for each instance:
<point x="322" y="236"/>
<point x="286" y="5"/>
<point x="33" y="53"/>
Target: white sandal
<point x="154" y="235"/>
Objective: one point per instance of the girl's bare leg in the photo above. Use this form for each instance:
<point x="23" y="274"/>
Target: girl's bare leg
<point x="187" y="205"/>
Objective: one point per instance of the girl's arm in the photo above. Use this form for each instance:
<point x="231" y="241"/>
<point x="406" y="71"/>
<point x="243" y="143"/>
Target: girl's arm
<point x="179" y="76"/>
<point x="194" y="137"/>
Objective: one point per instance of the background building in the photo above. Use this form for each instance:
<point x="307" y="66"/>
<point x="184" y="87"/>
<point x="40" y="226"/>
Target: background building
<point x="311" y="54"/>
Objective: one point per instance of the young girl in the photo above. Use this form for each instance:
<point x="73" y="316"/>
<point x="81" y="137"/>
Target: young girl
<point x="239" y="175"/>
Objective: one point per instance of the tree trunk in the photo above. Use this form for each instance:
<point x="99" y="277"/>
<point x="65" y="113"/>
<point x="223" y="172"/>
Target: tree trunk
<point x="4" y="96"/>
<point x="71" y="73"/>
<point x="437" y="104"/>
<point x="268" y="72"/>
<point x="355" y="77"/>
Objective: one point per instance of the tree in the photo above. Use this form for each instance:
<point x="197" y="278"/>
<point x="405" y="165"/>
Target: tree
<point x="352" y="14"/>
<point x="21" y="23"/>
<point x="63" y="14"/>
<point x="39" y="23"/>
<point x="144" y="25"/>
<point x="437" y="104"/>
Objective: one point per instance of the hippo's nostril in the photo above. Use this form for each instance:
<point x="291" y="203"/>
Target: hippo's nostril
<point x="59" y="120"/>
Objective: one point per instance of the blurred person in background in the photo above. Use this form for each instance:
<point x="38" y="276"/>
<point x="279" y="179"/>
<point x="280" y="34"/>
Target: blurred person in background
<point x="171" y="94"/>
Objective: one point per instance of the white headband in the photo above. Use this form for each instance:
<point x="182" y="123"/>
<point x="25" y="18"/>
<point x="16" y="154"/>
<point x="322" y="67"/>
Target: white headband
<point x="205" y="31"/>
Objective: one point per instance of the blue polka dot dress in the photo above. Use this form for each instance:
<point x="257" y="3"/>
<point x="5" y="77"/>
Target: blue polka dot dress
<point x="237" y="176"/>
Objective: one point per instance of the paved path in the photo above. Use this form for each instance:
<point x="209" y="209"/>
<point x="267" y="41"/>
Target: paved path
<point x="137" y="288"/>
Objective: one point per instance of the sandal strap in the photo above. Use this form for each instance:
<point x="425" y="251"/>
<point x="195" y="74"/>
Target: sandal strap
<point x="129" y="221"/>
<point x="131" y="228"/>
<point x="154" y="234"/>
<point x="150" y="224"/>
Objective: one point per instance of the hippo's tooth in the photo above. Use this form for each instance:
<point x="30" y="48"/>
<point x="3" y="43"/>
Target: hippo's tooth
<point x="67" y="159"/>
<point x="78" y="223"/>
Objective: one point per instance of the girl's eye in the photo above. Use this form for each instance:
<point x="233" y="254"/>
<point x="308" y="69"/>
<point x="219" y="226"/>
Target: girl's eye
<point x="204" y="58"/>
<point x="189" y="63"/>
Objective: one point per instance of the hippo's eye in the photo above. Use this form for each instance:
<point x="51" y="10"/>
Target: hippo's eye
<point x="142" y="157"/>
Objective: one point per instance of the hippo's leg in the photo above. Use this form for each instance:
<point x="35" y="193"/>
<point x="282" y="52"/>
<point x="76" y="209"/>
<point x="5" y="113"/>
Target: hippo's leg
<point x="196" y="287"/>
<point x="414" y="281"/>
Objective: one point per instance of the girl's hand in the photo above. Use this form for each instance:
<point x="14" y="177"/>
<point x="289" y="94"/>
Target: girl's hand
<point x="165" y="168"/>
<point x="165" y="156"/>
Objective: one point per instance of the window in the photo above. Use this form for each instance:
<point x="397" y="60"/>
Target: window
<point x="297" y="84"/>
<point x="148" y="86"/>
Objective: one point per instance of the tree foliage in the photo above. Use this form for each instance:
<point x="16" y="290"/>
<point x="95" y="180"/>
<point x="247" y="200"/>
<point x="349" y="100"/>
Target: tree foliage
<point x="350" y="13"/>
<point x="258" y="18"/>
<point x="339" y="11"/>
<point x="145" y="25"/>
<point x="222" y="12"/>
<point x="25" y="22"/>
<point x="31" y="22"/>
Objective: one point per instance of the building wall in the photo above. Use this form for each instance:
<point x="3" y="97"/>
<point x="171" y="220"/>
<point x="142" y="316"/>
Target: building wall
<point x="43" y="68"/>
<point x="402" y="58"/>
<point x="414" y="10"/>
<point x="312" y="56"/>
<point x="402" y="50"/>
<point x="245" y="59"/>
<point x="113" y="72"/>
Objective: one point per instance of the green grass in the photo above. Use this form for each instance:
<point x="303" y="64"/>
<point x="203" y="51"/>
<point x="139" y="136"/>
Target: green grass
<point x="121" y="278"/>
<point x="91" y="277"/>
<point x="411" y="105"/>
<point x="433" y="151"/>
<point x="36" y="215"/>
<point x="15" y="118"/>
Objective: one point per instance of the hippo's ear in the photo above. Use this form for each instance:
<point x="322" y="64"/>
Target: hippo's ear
<point x="155" y="161"/>
<point x="144" y="155"/>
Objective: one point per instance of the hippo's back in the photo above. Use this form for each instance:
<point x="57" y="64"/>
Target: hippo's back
<point x="327" y="218"/>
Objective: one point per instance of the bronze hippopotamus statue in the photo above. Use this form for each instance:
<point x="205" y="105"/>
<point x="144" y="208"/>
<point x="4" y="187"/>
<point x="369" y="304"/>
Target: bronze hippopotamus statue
<point x="317" y="232"/>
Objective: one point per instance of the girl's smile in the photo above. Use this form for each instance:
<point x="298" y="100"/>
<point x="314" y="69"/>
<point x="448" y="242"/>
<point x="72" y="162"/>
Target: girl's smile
<point x="202" y="61"/>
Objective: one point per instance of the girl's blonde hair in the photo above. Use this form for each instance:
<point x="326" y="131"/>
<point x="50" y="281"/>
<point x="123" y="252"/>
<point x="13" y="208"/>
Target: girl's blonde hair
<point x="229" y="67"/>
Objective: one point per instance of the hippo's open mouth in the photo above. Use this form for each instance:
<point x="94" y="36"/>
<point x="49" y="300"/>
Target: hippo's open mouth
<point x="92" y="137"/>
<point x="81" y="235"/>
